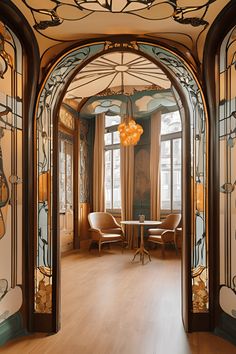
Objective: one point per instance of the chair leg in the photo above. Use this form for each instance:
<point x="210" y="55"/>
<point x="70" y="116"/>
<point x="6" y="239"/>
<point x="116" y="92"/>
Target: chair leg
<point x="163" y="250"/>
<point x="99" y="248"/>
<point x="176" y="249"/>
<point x="175" y="243"/>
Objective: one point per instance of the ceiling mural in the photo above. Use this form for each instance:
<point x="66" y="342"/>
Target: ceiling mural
<point x="184" y="21"/>
<point x="51" y="13"/>
<point x="117" y="73"/>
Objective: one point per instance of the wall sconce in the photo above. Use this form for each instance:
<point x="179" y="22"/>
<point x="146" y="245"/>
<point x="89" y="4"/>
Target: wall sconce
<point x="44" y="182"/>
<point x="200" y="196"/>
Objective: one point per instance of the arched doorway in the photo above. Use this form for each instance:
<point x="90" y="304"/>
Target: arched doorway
<point x="195" y="303"/>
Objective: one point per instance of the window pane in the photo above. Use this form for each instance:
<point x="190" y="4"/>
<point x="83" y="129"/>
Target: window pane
<point x="112" y="120"/>
<point x="116" y="137"/>
<point x="69" y="171"/>
<point x="170" y="123"/>
<point x="116" y="179"/>
<point x="108" y="184"/>
<point x="65" y="174"/>
<point x="62" y="194"/>
<point x="177" y="174"/>
<point x="165" y="175"/>
<point x="108" y="137"/>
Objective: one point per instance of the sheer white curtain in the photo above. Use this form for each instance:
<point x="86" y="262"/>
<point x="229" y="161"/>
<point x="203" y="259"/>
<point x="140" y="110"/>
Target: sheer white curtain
<point x="127" y="189"/>
<point x="155" y="165"/>
<point x="98" y="164"/>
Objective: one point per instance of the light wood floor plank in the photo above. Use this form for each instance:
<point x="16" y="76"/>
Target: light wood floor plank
<point x="113" y="306"/>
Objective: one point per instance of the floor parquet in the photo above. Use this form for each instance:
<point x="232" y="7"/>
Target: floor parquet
<point x="113" y="306"/>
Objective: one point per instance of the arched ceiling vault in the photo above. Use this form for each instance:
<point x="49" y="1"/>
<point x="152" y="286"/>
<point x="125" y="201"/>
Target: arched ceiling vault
<point x="59" y="23"/>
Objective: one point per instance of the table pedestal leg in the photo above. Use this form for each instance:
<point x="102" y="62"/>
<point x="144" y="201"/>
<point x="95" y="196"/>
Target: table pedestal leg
<point x="141" y="250"/>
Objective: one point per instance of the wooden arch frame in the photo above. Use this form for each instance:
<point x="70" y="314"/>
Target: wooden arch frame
<point x="223" y="23"/>
<point x="50" y="321"/>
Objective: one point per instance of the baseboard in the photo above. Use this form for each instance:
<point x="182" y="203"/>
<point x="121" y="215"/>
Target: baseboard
<point x="227" y="328"/>
<point x="11" y="328"/>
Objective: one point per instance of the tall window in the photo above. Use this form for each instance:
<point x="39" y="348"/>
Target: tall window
<point x="112" y="163"/>
<point x="65" y="172"/>
<point x="171" y="162"/>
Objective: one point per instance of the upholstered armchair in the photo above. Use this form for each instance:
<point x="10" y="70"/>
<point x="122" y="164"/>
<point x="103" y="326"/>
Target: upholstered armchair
<point x="166" y="232"/>
<point x="104" y="229"/>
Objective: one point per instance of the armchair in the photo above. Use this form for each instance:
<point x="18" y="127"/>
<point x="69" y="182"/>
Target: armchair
<point x="166" y="232"/>
<point x="104" y="229"/>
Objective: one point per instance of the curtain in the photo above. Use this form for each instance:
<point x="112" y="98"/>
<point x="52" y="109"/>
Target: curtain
<point x="127" y="189"/>
<point x="155" y="165"/>
<point x="98" y="164"/>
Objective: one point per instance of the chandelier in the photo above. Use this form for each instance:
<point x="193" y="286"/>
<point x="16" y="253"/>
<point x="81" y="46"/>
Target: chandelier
<point x="130" y="131"/>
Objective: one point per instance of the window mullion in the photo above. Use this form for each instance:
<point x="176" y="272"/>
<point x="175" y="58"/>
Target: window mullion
<point x="112" y="182"/>
<point x="171" y="174"/>
<point x="66" y="148"/>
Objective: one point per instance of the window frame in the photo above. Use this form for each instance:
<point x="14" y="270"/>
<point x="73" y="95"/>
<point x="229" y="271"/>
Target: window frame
<point x="68" y="139"/>
<point x="171" y="137"/>
<point x="111" y="147"/>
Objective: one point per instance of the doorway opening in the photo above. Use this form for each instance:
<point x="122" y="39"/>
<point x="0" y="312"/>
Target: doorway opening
<point x="190" y="102"/>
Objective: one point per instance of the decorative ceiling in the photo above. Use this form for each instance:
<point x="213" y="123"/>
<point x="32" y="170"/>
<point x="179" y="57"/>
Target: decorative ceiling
<point x="140" y="104"/>
<point x="117" y="73"/>
<point x="184" y="21"/>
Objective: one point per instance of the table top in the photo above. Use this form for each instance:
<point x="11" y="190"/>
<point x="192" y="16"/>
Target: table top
<point x="137" y="222"/>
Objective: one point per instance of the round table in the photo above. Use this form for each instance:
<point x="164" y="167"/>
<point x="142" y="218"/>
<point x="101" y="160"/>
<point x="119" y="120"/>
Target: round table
<point x="141" y="250"/>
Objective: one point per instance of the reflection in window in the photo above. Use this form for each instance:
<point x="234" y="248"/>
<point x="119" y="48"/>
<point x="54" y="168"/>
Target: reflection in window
<point x="112" y="163"/>
<point x="170" y="164"/>
<point x="170" y="123"/>
<point x="65" y="172"/>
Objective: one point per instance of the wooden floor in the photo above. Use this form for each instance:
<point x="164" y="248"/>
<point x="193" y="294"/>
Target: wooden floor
<point x="113" y="306"/>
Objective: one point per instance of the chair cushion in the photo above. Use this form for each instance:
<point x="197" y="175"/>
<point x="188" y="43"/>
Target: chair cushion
<point x="111" y="237"/>
<point x="156" y="238"/>
<point x="156" y="231"/>
<point x="164" y="236"/>
<point x="112" y="230"/>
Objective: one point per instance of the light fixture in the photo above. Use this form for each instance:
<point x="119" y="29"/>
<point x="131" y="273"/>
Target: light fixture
<point x="129" y="130"/>
<point x="199" y="195"/>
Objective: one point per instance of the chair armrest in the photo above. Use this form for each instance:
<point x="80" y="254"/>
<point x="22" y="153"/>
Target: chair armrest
<point x="96" y="234"/>
<point x="168" y="235"/>
<point x="116" y="223"/>
<point x="93" y="229"/>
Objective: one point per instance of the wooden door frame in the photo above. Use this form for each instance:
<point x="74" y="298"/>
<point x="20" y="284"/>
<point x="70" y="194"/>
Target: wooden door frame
<point x="223" y="23"/>
<point x="194" y="321"/>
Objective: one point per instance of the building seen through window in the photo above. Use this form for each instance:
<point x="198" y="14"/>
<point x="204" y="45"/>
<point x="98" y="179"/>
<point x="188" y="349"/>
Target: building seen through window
<point x="170" y="164"/>
<point x="65" y="172"/>
<point x="112" y="163"/>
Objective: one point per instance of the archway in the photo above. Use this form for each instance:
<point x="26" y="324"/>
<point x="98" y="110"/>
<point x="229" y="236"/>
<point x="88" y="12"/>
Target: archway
<point x="193" y="111"/>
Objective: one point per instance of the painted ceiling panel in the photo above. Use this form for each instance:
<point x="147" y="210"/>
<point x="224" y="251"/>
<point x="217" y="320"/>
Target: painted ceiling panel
<point x="186" y="21"/>
<point x="118" y="71"/>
